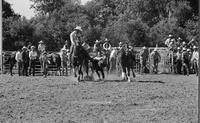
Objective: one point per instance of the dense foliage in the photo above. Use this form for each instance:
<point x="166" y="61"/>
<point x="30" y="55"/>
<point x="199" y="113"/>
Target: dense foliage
<point x="140" y="22"/>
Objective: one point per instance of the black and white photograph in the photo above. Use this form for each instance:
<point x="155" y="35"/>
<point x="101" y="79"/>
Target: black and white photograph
<point x="99" y="61"/>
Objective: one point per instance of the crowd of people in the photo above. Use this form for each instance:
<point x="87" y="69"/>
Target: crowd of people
<point x="185" y="55"/>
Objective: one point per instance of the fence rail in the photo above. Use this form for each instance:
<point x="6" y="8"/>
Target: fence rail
<point x="165" y="65"/>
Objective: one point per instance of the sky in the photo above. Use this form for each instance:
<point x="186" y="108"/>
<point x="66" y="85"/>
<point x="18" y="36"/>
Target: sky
<point x="22" y="7"/>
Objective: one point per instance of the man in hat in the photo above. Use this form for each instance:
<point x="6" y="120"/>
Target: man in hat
<point x="185" y="62"/>
<point x="41" y="47"/>
<point x="96" y="46"/>
<point x="193" y="43"/>
<point x="168" y="40"/>
<point x="155" y="55"/>
<point x="195" y="60"/>
<point x="144" y="55"/>
<point x="178" y="43"/>
<point x="32" y="56"/>
<point x="120" y="45"/>
<point x="25" y="63"/>
<point x="18" y="58"/>
<point x="75" y="39"/>
<point x="66" y="45"/>
<point x="178" y="60"/>
<point x="64" y="59"/>
<point x="107" y="46"/>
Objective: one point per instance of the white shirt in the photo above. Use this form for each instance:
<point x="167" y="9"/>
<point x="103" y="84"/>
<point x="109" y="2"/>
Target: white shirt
<point x="18" y="56"/>
<point x="41" y="47"/>
<point x="195" y="56"/>
<point x="33" y="55"/>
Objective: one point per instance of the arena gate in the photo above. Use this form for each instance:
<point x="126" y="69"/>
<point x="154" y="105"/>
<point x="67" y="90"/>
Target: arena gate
<point x="165" y="66"/>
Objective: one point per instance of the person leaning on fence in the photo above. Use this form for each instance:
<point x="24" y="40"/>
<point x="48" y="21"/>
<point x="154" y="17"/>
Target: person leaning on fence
<point x="185" y="62"/>
<point x="156" y="59"/>
<point x="195" y="60"/>
<point x="33" y="57"/>
<point x="178" y="61"/>
<point x="25" y="63"/>
<point x="144" y="55"/>
<point x="19" y="60"/>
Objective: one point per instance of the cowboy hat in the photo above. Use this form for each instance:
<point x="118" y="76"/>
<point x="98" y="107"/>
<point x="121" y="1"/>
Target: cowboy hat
<point x="78" y="28"/>
<point x="194" y="47"/>
<point x="144" y="47"/>
<point x="41" y="42"/>
<point x="24" y="48"/>
<point x="188" y="50"/>
<point x="170" y="36"/>
<point x="96" y="41"/>
<point x="184" y="48"/>
<point x="179" y="38"/>
<point x="32" y="47"/>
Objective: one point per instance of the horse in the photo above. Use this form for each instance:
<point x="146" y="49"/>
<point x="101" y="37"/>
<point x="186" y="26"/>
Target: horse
<point x="79" y="58"/>
<point x="106" y="53"/>
<point x="55" y="59"/>
<point x="127" y="60"/>
<point x="11" y="61"/>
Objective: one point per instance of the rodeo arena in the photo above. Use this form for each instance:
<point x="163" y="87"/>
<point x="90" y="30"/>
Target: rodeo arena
<point x="178" y="57"/>
<point x="101" y="84"/>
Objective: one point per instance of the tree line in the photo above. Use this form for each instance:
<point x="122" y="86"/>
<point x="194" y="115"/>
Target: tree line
<point x="139" y="22"/>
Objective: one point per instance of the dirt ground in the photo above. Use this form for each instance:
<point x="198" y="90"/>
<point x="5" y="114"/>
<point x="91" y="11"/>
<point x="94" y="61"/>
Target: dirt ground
<point x="148" y="99"/>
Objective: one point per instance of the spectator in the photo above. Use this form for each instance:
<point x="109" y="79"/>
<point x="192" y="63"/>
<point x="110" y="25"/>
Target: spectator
<point x="19" y="60"/>
<point x="33" y="56"/>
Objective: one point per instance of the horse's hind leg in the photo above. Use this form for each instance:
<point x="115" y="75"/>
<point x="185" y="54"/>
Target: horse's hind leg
<point x="98" y="74"/>
<point x="133" y="72"/>
<point x="102" y="73"/>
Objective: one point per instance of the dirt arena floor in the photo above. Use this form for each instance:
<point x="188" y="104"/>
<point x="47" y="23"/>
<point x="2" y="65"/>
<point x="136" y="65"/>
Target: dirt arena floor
<point x="148" y="99"/>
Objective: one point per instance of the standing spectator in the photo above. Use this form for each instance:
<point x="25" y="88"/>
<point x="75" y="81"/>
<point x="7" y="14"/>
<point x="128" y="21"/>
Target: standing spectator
<point x="96" y="46"/>
<point x="178" y="43"/>
<point x="195" y="60"/>
<point x="185" y="62"/>
<point x="29" y="46"/>
<point x="25" y="63"/>
<point x="19" y="60"/>
<point x="41" y="47"/>
<point x="143" y="59"/>
<point x="156" y="59"/>
<point x="168" y="40"/>
<point x="33" y="57"/>
<point x="178" y="60"/>
<point x="189" y="58"/>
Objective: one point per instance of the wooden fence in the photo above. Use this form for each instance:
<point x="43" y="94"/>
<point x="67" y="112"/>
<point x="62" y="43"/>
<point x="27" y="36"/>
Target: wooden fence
<point x="165" y="66"/>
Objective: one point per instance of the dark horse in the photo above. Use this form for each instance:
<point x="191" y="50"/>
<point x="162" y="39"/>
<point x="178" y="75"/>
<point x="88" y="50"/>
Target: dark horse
<point x="127" y="60"/>
<point x="11" y="61"/>
<point x="79" y="58"/>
